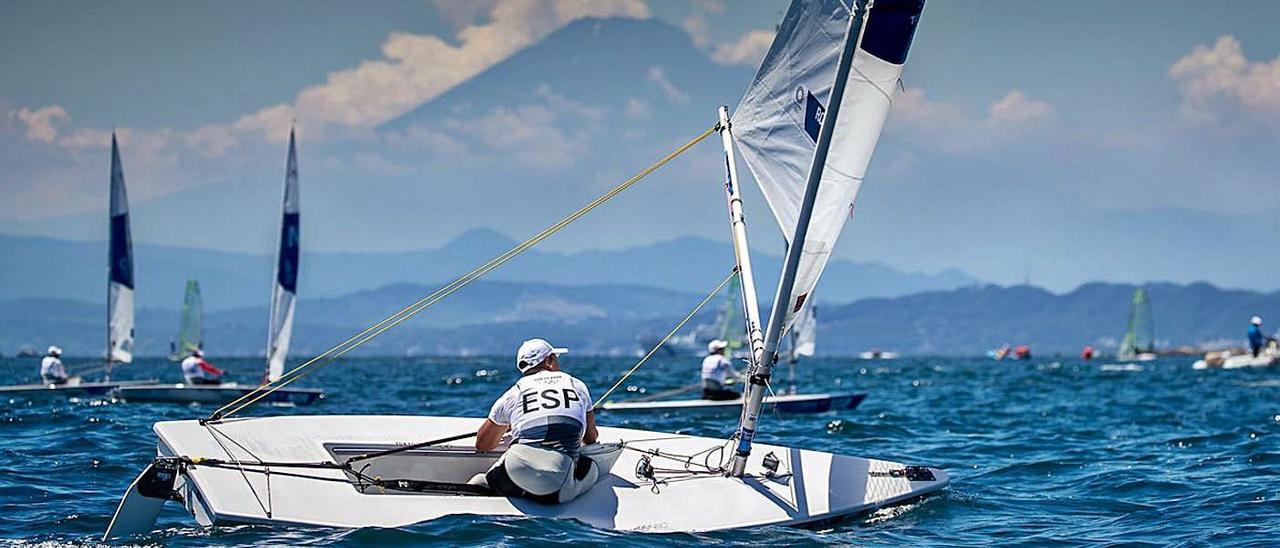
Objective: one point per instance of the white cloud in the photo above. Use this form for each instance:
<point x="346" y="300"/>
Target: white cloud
<point x="948" y="127"/>
<point x="412" y="70"/>
<point x="1218" y="83"/>
<point x="637" y="108"/>
<point x="41" y="123"/>
<point x="551" y="133"/>
<point x="749" y="49"/>
<point x="1015" y="111"/>
<point x="417" y="68"/>
<point x="529" y="133"/>
<point x="658" y="77"/>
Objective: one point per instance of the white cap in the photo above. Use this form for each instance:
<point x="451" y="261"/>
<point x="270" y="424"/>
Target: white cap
<point x="55" y="351"/>
<point x="197" y="353"/>
<point x="533" y="351"/>
<point x="1256" y="320"/>
<point x="717" y="345"/>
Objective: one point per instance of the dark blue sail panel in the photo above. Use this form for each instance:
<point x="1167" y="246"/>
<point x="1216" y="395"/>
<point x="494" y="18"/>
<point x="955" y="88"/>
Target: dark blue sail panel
<point x="813" y="112"/>
<point x="121" y="251"/>
<point x="290" y="249"/>
<point x="890" y="27"/>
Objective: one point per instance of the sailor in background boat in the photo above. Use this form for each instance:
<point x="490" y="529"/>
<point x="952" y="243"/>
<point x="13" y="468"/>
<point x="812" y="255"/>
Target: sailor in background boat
<point x="716" y="369"/>
<point x="198" y="371"/>
<point x="548" y="413"/>
<point x="51" y="369"/>
<point x="1255" y="335"/>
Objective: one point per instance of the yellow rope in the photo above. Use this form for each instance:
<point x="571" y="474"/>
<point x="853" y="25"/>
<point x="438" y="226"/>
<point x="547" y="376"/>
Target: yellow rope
<point x="670" y="334"/>
<point x="332" y="354"/>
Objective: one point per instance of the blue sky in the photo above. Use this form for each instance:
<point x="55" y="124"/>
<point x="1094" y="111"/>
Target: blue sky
<point x="1063" y="142"/>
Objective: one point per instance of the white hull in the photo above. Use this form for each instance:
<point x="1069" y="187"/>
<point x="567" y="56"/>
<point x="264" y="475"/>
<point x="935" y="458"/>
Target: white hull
<point x="799" y="403"/>
<point x="820" y="486"/>
<point x="1238" y="361"/>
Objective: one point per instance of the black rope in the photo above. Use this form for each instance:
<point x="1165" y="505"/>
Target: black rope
<point x="404" y="448"/>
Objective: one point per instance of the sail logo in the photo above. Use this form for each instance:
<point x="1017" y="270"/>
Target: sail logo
<point x="814" y="112"/>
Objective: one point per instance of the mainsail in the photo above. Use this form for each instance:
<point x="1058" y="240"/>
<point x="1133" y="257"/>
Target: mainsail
<point x="284" y="285"/>
<point x="120" y="268"/>
<point x="809" y="157"/>
<point x="1139" y="338"/>
<point x="776" y="125"/>
<point x="191" y="334"/>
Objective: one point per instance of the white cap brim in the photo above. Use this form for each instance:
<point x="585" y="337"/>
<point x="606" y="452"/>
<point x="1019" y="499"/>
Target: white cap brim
<point x="559" y="350"/>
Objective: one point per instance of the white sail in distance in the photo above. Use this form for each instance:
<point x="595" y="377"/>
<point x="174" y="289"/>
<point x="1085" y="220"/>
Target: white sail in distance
<point x="804" y="332"/>
<point x="284" y="284"/>
<point x="776" y="125"/>
<point x="119" y="267"/>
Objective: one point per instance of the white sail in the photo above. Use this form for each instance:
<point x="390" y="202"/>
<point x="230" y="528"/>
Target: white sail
<point x="804" y="332"/>
<point x="284" y="284"/>
<point x="777" y="123"/>
<point x="120" y="268"/>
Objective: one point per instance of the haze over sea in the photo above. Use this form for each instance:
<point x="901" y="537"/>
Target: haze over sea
<point x="1042" y="451"/>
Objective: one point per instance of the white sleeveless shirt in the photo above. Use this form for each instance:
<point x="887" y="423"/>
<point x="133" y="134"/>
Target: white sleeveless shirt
<point x="546" y="409"/>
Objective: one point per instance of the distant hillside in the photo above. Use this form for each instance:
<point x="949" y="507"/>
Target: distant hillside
<point x="484" y="317"/>
<point x="47" y="268"/>
<point x="493" y="317"/>
<point x="972" y="320"/>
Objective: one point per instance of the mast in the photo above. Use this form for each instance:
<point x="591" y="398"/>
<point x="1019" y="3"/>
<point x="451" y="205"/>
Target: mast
<point x="763" y="370"/>
<point x="738" y="230"/>
<point x="284" y="285"/>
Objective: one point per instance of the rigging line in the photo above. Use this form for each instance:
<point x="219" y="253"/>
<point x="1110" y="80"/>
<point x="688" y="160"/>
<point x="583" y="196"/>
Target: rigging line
<point x="670" y="334"/>
<point x="331" y="355"/>
<point x="240" y="467"/>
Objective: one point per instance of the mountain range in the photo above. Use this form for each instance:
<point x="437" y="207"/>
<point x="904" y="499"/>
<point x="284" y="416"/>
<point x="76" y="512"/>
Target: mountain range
<point x="492" y="317"/>
<point x="47" y="268"/>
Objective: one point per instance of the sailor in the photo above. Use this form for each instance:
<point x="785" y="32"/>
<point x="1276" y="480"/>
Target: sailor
<point x="51" y="369"/>
<point x="1255" y="335"/>
<point x="198" y="371"/>
<point x="716" y="369"/>
<point x="548" y="413"/>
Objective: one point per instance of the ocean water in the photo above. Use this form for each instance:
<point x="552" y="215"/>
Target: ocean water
<point x="1040" y="452"/>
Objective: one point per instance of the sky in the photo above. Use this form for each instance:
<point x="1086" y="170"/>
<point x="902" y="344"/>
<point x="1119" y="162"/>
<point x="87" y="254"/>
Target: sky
<point x="1056" y="143"/>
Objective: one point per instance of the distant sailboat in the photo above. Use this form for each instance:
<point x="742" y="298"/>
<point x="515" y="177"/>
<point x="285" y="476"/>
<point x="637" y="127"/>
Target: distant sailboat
<point x="191" y="333"/>
<point x="119" y="270"/>
<point x="284" y="288"/>
<point x="803" y="342"/>
<point x="284" y="285"/>
<point x="1139" y="338"/>
<point x="119" y="296"/>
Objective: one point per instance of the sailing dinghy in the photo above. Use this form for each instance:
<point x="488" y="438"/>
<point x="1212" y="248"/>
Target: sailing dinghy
<point x="119" y="302"/>
<point x="1139" y="337"/>
<point x="372" y="471"/>
<point x="283" y="295"/>
<point x="802" y="341"/>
